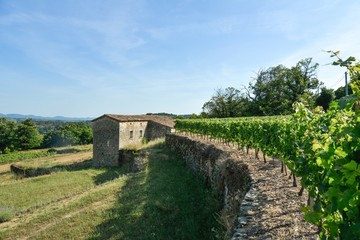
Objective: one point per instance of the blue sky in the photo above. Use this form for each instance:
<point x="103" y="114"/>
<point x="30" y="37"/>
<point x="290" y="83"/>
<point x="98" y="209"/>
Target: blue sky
<point x="85" y="58"/>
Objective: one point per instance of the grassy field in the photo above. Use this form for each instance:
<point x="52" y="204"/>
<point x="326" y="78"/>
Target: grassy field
<point x="166" y="201"/>
<point x="34" y="154"/>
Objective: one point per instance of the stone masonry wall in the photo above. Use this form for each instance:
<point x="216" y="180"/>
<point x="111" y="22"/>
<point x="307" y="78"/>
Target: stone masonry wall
<point x="155" y="130"/>
<point x="229" y="177"/>
<point x="138" y="129"/>
<point x="105" y="142"/>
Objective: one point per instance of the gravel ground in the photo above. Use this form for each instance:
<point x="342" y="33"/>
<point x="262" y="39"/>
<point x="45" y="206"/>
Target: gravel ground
<point x="271" y="208"/>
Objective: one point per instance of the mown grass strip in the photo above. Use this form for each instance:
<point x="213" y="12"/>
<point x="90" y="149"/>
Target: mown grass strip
<point x="22" y="195"/>
<point x="56" y="220"/>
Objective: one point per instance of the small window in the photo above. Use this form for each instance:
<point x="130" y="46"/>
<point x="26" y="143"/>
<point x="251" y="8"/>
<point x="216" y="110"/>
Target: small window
<point x="141" y="133"/>
<point x="131" y="134"/>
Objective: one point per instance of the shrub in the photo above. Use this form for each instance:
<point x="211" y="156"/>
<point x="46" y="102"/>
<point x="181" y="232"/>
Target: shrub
<point x="52" y="150"/>
<point x="6" y="214"/>
<point x="144" y="141"/>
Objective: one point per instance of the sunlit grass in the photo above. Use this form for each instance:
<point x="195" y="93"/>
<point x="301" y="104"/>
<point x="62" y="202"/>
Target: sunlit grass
<point x="166" y="201"/>
<point x="33" y="192"/>
<point x="32" y="154"/>
<point x="73" y="218"/>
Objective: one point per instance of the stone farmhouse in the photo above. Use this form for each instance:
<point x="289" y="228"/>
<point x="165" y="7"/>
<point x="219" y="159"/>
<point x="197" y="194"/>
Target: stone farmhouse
<point x="114" y="132"/>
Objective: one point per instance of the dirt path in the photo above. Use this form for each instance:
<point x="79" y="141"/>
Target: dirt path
<point x="271" y="209"/>
<point x="5" y="168"/>
<point x="74" y="158"/>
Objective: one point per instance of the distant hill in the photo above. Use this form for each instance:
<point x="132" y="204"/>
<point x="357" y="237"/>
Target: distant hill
<point x="57" y="118"/>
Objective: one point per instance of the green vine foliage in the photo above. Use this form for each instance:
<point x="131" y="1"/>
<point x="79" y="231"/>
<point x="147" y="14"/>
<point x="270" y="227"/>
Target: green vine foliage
<point x="328" y="162"/>
<point x="321" y="148"/>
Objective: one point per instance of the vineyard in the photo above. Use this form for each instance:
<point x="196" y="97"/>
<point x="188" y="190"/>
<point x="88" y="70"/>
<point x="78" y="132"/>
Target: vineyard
<point x="323" y="149"/>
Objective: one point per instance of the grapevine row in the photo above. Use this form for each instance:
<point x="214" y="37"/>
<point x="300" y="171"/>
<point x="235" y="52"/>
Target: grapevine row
<point x="321" y="148"/>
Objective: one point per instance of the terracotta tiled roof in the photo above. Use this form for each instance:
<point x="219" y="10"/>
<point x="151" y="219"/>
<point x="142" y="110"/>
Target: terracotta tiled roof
<point x="167" y="121"/>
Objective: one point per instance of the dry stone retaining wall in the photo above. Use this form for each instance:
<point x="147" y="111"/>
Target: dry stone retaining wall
<point x="229" y="177"/>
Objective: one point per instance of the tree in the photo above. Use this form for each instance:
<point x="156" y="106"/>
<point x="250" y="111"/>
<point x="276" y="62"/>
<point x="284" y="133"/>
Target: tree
<point x="302" y="81"/>
<point x="27" y="135"/>
<point x="340" y="92"/>
<point x="225" y="103"/>
<point x="275" y="89"/>
<point x="68" y="134"/>
<point x="57" y="138"/>
<point x="7" y="135"/>
<point x="325" y="98"/>
<point x="194" y="116"/>
<point x="272" y="92"/>
<point x="21" y="136"/>
<point x="203" y="115"/>
<point x="269" y="92"/>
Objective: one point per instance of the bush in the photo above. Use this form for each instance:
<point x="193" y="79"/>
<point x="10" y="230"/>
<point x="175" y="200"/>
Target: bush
<point x="144" y="141"/>
<point x="6" y="214"/>
<point x="52" y="150"/>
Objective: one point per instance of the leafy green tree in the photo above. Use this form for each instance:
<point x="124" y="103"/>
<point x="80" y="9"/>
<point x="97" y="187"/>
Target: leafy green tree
<point x="269" y="93"/>
<point x="7" y="135"/>
<point x="194" y="116"/>
<point x="275" y="89"/>
<point x="325" y="98"/>
<point x="272" y="92"/>
<point x="203" y="115"/>
<point x="340" y="92"/>
<point x="225" y="103"/>
<point x="27" y="135"/>
<point x="57" y="138"/>
<point x="18" y="136"/>
<point x="68" y="134"/>
<point x="86" y="135"/>
<point x="302" y="81"/>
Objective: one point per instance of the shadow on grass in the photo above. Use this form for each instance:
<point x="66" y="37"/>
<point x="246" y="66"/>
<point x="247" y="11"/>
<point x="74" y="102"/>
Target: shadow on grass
<point x="166" y="201"/>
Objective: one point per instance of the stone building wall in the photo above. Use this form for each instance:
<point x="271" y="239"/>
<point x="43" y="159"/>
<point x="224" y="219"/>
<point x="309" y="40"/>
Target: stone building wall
<point x="155" y="130"/>
<point x="132" y="133"/>
<point x="105" y="142"/>
<point x="112" y="133"/>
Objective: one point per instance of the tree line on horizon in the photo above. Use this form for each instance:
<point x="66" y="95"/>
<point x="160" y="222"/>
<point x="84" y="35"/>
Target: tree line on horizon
<point x="273" y="92"/>
<point x="30" y="134"/>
